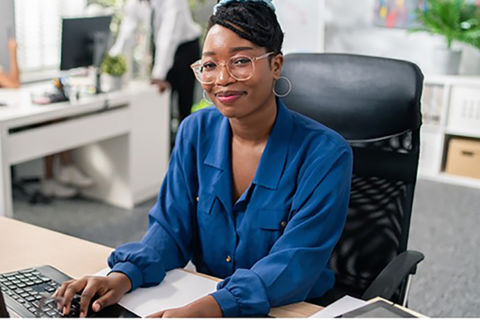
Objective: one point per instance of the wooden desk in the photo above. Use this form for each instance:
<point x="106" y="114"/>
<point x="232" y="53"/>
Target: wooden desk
<point x="24" y="246"/>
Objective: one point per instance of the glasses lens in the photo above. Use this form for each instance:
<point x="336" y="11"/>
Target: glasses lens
<point x="205" y="72"/>
<point x="241" y="68"/>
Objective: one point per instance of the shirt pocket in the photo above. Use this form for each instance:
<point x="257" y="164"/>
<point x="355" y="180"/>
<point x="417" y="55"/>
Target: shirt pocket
<point x="272" y="219"/>
<point x="205" y="203"/>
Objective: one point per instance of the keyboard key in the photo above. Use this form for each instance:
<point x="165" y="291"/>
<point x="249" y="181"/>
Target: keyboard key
<point x="27" y="270"/>
<point x="14" y="296"/>
<point x="45" y="279"/>
<point x="35" y="304"/>
<point x="30" y="298"/>
<point x="7" y="283"/>
<point x="28" y="289"/>
<point x="36" y="272"/>
<point x="51" y="313"/>
<point x="30" y="283"/>
<point x="38" y="281"/>
<point x="10" y="274"/>
<point x="24" y="294"/>
<point x="19" y="291"/>
<point x="50" y="289"/>
<point x="12" y="287"/>
<point x="27" y="305"/>
<point x="21" y="301"/>
<point x="21" y="285"/>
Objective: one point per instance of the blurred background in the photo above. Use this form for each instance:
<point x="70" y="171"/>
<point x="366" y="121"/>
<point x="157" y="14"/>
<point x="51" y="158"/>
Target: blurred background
<point x="443" y="41"/>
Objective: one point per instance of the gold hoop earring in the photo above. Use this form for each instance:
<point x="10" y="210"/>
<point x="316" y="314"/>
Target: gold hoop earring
<point x="287" y="92"/>
<point x="205" y="97"/>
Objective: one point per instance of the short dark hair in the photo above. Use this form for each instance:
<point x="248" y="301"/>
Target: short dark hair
<point x="253" y="21"/>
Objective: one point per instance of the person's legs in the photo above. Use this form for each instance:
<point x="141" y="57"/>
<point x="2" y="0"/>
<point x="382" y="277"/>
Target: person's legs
<point x="66" y="158"/>
<point x="69" y="174"/>
<point x="182" y="77"/>
<point x="49" y="167"/>
<point x="49" y="187"/>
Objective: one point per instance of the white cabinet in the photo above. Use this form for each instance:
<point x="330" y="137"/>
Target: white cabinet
<point x="451" y="109"/>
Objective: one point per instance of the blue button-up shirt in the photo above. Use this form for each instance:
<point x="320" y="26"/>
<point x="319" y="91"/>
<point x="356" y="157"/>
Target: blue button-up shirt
<point x="273" y="245"/>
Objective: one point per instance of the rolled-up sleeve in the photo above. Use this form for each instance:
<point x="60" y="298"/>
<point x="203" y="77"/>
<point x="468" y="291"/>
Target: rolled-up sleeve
<point x="167" y="243"/>
<point x="299" y="258"/>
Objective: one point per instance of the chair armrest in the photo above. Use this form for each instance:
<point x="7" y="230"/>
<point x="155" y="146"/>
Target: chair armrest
<point x="388" y="281"/>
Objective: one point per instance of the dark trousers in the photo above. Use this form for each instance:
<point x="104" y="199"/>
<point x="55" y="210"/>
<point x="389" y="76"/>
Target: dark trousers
<point x="181" y="77"/>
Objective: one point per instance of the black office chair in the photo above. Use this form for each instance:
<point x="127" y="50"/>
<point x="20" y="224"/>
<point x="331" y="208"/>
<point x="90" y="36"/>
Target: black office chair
<point x="374" y="103"/>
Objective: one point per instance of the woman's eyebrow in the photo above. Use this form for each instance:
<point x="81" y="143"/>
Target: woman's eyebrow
<point x="231" y="50"/>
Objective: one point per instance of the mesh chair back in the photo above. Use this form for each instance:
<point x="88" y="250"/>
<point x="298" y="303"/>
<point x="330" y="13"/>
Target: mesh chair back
<point x="374" y="103"/>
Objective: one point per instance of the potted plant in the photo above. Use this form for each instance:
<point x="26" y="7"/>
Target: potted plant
<point x="455" y="20"/>
<point x="115" y="67"/>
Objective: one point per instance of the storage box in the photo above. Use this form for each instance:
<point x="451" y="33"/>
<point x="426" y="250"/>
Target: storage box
<point x="464" y="158"/>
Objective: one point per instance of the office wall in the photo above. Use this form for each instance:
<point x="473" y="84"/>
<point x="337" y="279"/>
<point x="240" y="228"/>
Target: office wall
<point x="349" y="29"/>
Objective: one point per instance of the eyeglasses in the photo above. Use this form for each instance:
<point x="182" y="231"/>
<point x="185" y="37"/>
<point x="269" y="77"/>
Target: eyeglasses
<point x="241" y="68"/>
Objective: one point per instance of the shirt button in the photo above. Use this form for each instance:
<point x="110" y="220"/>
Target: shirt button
<point x="197" y="199"/>
<point x="228" y="259"/>
<point x="283" y="224"/>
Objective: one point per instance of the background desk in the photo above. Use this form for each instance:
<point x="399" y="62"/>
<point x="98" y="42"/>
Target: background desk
<point x="121" y="139"/>
<point x="25" y="246"/>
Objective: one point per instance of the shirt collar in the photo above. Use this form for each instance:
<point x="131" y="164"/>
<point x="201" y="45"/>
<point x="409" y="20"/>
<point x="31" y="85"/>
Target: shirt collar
<point x="273" y="160"/>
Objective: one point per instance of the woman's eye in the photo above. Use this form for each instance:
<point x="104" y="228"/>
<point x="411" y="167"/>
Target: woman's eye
<point x="209" y="66"/>
<point x="241" y="61"/>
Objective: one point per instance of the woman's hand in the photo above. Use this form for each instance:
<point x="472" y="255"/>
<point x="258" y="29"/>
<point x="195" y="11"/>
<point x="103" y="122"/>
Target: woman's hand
<point x="109" y="291"/>
<point x="12" y="47"/>
<point x="206" y="307"/>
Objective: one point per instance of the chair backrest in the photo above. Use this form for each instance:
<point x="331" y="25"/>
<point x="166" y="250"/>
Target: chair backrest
<point x="374" y="103"/>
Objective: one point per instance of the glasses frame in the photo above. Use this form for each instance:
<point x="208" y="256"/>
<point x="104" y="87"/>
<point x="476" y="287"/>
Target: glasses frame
<point x="227" y="66"/>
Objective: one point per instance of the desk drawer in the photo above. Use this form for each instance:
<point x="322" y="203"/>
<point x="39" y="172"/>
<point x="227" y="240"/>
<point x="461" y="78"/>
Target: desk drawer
<point x="72" y="133"/>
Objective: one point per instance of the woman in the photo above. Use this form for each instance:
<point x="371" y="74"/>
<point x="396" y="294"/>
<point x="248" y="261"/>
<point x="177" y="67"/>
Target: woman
<point x="11" y="79"/>
<point x="255" y="194"/>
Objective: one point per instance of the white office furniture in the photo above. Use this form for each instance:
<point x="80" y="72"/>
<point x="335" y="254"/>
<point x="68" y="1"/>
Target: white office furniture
<point x="451" y="108"/>
<point x="120" y="139"/>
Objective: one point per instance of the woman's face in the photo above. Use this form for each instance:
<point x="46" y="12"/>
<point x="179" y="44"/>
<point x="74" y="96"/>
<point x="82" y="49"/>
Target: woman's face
<point x="237" y="99"/>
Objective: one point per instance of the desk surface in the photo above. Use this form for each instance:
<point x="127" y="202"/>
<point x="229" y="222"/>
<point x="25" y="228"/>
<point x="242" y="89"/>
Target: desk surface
<point x="24" y="246"/>
<point x="20" y="110"/>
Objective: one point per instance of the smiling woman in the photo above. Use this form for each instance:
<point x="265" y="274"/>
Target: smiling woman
<point x="255" y="193"/>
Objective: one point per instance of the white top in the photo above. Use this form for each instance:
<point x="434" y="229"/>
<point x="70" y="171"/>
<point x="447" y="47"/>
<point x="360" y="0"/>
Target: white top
<point x="173" y="26"/>
<point x="1" y="68"/>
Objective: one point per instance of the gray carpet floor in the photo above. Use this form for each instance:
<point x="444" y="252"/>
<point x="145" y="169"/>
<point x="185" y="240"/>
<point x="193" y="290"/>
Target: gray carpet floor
<point x="443" y="228"/>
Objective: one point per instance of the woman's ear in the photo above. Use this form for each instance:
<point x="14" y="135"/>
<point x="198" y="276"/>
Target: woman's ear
<point x="277" y="63"/>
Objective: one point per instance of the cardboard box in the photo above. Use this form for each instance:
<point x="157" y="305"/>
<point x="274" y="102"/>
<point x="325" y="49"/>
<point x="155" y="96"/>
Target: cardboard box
<point x="464" y="158"/>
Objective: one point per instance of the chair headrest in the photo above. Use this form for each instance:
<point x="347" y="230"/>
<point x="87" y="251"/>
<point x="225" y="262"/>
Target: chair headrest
<point x="360" y="97"/>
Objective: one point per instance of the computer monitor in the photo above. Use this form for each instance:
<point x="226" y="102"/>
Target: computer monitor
<point x="85" y="41"/>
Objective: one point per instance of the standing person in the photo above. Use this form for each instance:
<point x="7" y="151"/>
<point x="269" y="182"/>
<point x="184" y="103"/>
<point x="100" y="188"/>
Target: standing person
<point x="11" y="79"/>
<point x="175" y="41"/>
<point x="255" y="194"/>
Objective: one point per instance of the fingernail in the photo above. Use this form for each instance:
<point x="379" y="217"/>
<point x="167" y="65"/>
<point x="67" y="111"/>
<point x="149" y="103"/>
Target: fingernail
<point x="96" y="307"/>
<point x="82" y="314"/>
<point x="64" y="309"/>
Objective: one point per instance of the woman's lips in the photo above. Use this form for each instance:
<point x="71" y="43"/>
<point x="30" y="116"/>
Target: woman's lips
<point x="229" y="97"/>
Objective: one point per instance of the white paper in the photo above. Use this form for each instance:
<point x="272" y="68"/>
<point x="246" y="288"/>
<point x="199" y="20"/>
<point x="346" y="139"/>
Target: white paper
<point x="339" y="307"/>
<point x="176" y="290"/>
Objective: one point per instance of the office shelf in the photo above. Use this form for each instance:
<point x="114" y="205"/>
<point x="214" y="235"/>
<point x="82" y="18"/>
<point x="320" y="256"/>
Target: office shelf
<point x="450" y="108"/>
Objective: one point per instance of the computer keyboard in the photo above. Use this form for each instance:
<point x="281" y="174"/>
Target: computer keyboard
<point x="27" y="287"/>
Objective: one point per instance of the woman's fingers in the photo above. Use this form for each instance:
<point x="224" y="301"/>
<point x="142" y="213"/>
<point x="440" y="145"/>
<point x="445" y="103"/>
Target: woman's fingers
<point x="106" y="300"/>
<point x="70" y="292"/>
<point x="92" y="287"/>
